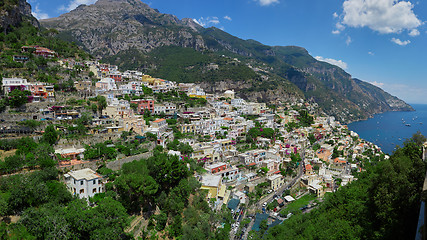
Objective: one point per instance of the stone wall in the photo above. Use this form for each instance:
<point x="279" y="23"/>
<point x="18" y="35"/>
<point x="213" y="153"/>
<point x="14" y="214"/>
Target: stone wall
<point x="89" y="140"/>
<point x="114" y="165"/>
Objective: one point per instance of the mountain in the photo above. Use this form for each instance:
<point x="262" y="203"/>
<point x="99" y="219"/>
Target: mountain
<point x="130" y="34"/>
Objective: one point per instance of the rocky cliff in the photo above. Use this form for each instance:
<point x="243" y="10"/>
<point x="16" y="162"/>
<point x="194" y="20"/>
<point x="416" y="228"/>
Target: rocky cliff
<point x="13" y="12"/>
<point x="110" y="26"/>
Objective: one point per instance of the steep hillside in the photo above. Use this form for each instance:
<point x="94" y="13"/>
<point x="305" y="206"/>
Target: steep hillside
<point x="20" y="28"/>
<point x="132" y="35"/>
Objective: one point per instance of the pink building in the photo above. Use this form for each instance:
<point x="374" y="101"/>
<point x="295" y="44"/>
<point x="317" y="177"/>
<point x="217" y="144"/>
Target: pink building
<point x="144" y="104"/>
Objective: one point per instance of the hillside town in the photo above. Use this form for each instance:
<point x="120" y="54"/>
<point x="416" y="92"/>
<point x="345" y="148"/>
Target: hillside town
<point x="120" y="120"/>
<point x="256" y="159"/>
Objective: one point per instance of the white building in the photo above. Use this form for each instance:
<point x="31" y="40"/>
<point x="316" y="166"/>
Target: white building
<point x="229" y="94"/>
<point x="106" y="84"/>
<point x="167" y="108"/>
<point x="8" y="84"/>
<point x="85" y="183"/>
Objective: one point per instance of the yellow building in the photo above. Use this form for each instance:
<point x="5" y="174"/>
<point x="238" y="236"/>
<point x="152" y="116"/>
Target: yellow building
<point x="276" y="181"/>
<point x="83" y="85"/>
<point x="94" y="70"/>
<point x="188" y="128"/>
<point x="114" y="129"/>
<point x="212" y="183"/>
<point x="197" y="96"/>
<point x="203" y="152"/>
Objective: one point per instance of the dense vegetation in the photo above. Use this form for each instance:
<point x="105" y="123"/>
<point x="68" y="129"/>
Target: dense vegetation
<point x="48" y="211"/>
<point x="29" y="153"/>
<point x="382" y="204"/>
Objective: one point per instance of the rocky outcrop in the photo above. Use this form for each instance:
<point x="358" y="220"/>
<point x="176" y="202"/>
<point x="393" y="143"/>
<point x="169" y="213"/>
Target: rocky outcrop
<point x="110" y="26"/>
<point x="11" y="15"/>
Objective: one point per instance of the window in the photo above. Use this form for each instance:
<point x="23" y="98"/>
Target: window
<point x="74" y="181"/>
<point x="94" y="190"/>
<point x="94" y="181"/>
<point x="81" y="182"/>
<point x="82" y="191"/>
<point x="99" y="189"/>
<point x="99" y="181"/>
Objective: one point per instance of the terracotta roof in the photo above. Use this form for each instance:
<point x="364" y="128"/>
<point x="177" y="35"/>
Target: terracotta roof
<point x="251" y="164"/>
<point x="337" y="160"/>
<point x="159" y="120"/>
<point x="228" y="119"/>
<point x="308" y="167"/>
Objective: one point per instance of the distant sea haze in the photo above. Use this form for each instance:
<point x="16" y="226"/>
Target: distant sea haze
<point x="387" y="130"/>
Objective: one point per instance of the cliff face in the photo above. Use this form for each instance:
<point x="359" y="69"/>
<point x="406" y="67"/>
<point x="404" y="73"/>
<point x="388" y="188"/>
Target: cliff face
<point x="108" y="27"/>
<point x="128" y="33"/>
<point x="13" y="12"/>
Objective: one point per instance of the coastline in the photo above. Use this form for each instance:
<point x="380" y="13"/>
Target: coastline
<point x="392" y="128"/>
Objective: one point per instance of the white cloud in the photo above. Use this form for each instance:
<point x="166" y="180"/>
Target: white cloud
<point x="338" y="63"/>
<point x="371" y="53"/>
<point x="378" y="84"/>
<point x="414" y="33"/>
<point x="335" y="15"/>
<point x="37" y="13"/>
<point x="267" y="2"/>
<point x="227" y="18"/>
<point x="383" y="16"/>
<point x="336" y="32"/>
<point x="400" y="42"/>
<point x="339" y="26"/>
<point x="207" y="22"/>
<point x="348" y="40"/>
<point x="73" y="4"/>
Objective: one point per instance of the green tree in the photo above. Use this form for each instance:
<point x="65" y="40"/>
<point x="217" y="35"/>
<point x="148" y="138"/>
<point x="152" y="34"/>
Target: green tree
<point x="17" y="98"/>
<point x="161" y="220"/>
<point x="136" y="189"/>
<point x="316" y="147"/>
<point x="151" y="136"/>
<point x="185" y="148"/>
<point x="134" y="106"/>
<point x="311" y="138"/>
<point x="418" y="138"/>
<point x="176" y="227"/>
<point x="50" y="135"/>
<point x="102" y="103"/>
<point x="94" y="108"/>
<point x="30" y="123"/>
<point x="3" y="104"/>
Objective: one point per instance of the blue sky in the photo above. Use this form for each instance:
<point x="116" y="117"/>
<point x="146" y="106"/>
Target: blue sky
<point x="378" y="41"/>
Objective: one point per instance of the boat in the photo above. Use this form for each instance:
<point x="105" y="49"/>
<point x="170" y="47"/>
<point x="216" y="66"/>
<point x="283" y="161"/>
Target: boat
<point x="408" y="125"/>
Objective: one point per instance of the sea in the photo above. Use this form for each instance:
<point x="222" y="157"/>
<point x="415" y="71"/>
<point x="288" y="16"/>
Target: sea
<point x="391" y="129"/>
